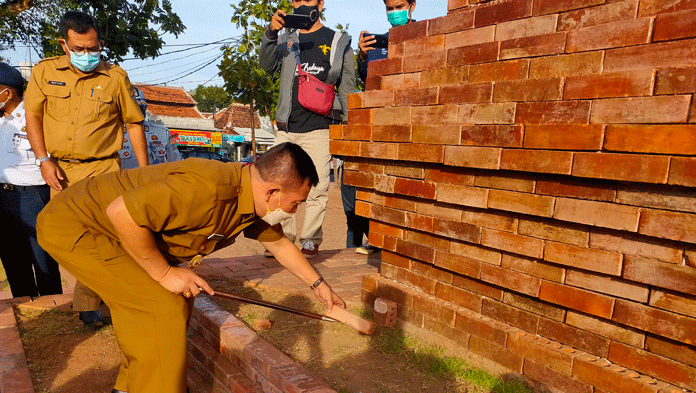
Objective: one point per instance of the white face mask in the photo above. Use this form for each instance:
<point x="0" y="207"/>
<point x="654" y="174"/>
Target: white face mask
<point x="277" y="216"/>
<point x="2" y="104"/>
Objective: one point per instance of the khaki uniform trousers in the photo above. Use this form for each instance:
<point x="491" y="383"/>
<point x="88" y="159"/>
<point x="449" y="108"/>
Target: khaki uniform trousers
<point x="149" y="322"/>
<point x="84" y="299"/>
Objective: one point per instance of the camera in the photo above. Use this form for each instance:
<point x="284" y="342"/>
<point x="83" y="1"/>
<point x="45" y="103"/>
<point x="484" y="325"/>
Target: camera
<point x="299" y="21"/>
<point x="382" y="40"/>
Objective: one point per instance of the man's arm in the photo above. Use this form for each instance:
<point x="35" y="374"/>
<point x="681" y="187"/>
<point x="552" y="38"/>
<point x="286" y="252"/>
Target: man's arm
<point x="137" y="138"/>
<point x="269" y="44"/>
<point x="140" y="243"/>
<point x="35" y="133"/>
<point x="290" y="256"/>
<point x="347" y="85"/>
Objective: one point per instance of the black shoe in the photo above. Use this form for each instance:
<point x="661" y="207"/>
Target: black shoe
<point x="92" y="319"/>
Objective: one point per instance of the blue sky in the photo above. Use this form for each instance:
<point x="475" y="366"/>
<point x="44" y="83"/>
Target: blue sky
<point x="209" y="21"/>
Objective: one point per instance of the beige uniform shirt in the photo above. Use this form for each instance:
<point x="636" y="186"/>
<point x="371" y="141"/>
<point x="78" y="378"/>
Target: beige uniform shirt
<point x="194" y="206"/>
<point x="83" y="115"/>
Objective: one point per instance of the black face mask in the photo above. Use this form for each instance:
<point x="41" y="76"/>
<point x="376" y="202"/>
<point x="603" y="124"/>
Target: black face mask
<point x="311" y="11"/>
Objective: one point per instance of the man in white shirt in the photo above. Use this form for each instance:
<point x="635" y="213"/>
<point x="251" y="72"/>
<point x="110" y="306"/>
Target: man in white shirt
<point x="23" y="193"/>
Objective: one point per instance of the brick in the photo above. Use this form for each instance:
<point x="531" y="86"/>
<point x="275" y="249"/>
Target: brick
<point x="605" y="215"/>
<point x="359" y="179"/>
<point x="496" y="113"/>
<point x="512" y="182"/>
<point x="401" y="81"/>
<point x="444" y="76"/>
<point x="415" y="188"/>
<point x="425" y="45"/>
<point x="549" y="377"/>
<point x="394" y="259"/>
<point x="576" y="338"/>
<point x="437" y="114"/>
<point x="610" y="35"/>
<point x="451" y="23"/>
<point x="619" y="84"/>
<point x="409" y="31"/>
<point x="480" y="327"/>
<point x="542" y="7"/>
<point x="454" y="6"/>
<point x="670" y="349"/>
<point x="680" y="53"/>
<point x="363" y="209"/>
<point x="404" y="169"/>
<point x="659" y="109"/>
<point x="360" y="116"/>
<point x="526" y="27"/>
<point x="436" y="134"/>
<point x="678" y="278"/>
<point x="371" y="168"/>
<point x="533" y="267"/>
<point x="420" y="96"/>
<point x="421" y="152"/>
<point x="654" y="7"/>
<point x="601" y="14"/>
<point x="534" y="348"/>
<point x="510" y="315"/>
<point x="357" y="132"/>
<point x="422" y="283"/>
<point x="605" y="328"/>
<point x="641" y="246"/>
<point x="583" y="258"/>
<point x="476" y="252"/>
<point x="542" y="45"/>
<point x="385" y="67"/>
<point x="458" y="296"/>
<point x="681" y="304"/>
<point x="511" y="242"/>
<point x="668" y="225"/>
<point x="391" y="133"/>
<point x="392" y="115"/>
<point x="535" y="306"/>
<point x="472" y="157"/>
<point x="425" y="62"/>
<point x="675" y="26"/>
<point x="449" y="176"/>
<point x="336" y="131"/>
<point x="344" y="148"/>
<point x="473" y="54"/>
<point x="432" y="307"/>
<point x="682" y="171"/>
<point x="385" y="214"/>
<point x="373" y="82"/>
<point x="653" y="365"/>
<point x="439" y="210"/>
<point x="626" y="167"/>
<point x="556" y="231"/>
<point x="479" y="287"/>
<point x="458" y="264"/>
<point x="577" y="299"/>
<point x="386" y="151"/>
<point x="511" y="280"/>
<point x="499" y="71"/>
<point x="492" y="135"/>
<point x="502" y="12"/>
<point x="355" y="100"/>
<point x="577" y="188"/>
<point x="563" y="136"/>
<point x="543" y="161"/>
<point x="675" y="80"/>
<point x="387" y="230"/>
<point x="378" y="98"/>
<point x="470" y="37"/>
<point x="608" y="285"/>
<point x="457" y="230"/>
<point x="657" y="139"/>
<point x="399" y="202"/>
<point x="561" y="112"/>
<point x="588" y="369"/>
<point x="497" y="353"/>
<point x="528" y="90"/>
<point x="532" y="204"/>
<point x="419" y="222"/>
<point x="396" y="50"/>
<point x="384" y="184"/>
<point x="466" y="93"/>
<point x="415" y="251"/>
<point x="490" y="219"/>
<point x="663" y="323"/>
<point x="460" y="338"/>
<point x="586" y="63"/>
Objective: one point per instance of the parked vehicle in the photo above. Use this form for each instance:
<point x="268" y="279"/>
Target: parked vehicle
<point x="210" y="155"/>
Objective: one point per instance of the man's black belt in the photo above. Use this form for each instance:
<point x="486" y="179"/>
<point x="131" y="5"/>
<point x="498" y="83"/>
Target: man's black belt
<point x="12" y="187"/>
<point x="76" y="161"/>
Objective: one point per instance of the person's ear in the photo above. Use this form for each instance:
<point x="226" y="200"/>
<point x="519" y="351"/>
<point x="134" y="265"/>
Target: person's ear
<point x="272" y="190"/>
<point x="63" y="45"/>
<point x="411" y="7"/>
<point x="320" y="3"/>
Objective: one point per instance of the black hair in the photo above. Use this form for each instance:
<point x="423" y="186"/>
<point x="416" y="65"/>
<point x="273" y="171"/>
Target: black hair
<point x="409" y="1"/>
<point x="79" y="22"/>
<point x="288" y="165"/>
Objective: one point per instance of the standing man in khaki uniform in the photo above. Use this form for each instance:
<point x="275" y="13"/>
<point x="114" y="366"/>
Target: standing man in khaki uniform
<point x="123" y="234"/>
<point x="76" y="107"/>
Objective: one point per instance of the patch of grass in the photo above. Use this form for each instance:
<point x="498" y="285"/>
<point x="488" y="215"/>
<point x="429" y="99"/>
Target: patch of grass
<point x="431" y="360"/>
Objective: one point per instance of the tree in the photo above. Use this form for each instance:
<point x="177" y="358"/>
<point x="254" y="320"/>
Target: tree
<point x="210" y="98"/>
<point x="124" y="25"/>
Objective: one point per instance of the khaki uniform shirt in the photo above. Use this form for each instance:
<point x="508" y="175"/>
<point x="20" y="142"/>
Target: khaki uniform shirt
<point x="83" y="115"/>
<point x="194" y="206"/>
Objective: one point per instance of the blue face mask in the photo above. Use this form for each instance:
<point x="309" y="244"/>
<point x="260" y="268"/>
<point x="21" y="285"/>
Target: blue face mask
<point x="85" y="62"/>
<point x="398" y="17"/>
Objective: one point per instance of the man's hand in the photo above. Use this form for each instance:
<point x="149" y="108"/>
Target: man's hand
<point x="52" y="175"/>
<point x="181" y="281"/>
<point x="327" y="296"/>
<point x="365" y="44"/>
<point x="277" y="21"/>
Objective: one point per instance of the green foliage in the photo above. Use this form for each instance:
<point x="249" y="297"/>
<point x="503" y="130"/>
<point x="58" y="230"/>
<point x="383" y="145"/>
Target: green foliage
<point x="211" y="97"/>
<point x="124" y="25"/>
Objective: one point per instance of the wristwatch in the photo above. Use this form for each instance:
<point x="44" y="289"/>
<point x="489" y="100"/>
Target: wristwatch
<point x="41" y="160"/>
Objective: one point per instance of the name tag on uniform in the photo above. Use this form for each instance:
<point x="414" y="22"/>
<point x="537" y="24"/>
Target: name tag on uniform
<point x="56" y="83"/>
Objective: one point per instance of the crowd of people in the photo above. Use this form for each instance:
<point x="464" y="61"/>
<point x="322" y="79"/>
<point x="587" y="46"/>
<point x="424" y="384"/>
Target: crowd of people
<point x="124" y="233"/>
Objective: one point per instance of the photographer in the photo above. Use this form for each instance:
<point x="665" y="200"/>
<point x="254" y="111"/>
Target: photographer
<point x="325" y="60"/>
<point x="398" y="13"/>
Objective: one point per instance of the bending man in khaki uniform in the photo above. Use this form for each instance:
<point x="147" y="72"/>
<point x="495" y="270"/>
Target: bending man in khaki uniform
<point x="123" y="233"/>
<point x="76" y="108"/>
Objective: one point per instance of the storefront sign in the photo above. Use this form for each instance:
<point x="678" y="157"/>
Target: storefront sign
<point x="196" y="138"/>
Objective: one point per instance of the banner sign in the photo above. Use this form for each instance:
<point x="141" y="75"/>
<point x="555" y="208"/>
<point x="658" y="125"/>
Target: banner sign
<point x="196" y="138"/>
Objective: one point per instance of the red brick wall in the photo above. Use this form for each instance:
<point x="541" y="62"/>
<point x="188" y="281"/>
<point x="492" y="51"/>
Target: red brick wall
<point x="531" y="162"/>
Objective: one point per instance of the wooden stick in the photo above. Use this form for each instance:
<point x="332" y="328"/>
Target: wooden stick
<point x="352" y="320"/>
<point x="272" y="305"/>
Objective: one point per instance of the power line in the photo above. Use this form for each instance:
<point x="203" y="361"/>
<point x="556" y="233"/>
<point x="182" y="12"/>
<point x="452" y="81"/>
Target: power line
<point x="167" y="69"/>
<point x="186" y="49"/>
<point x="183" y="76"/>
<point x="207" y="62"/>
<point x="170" y="60"/>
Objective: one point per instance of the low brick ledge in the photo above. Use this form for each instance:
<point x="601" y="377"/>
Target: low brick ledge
<point x="544" y="363"/>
